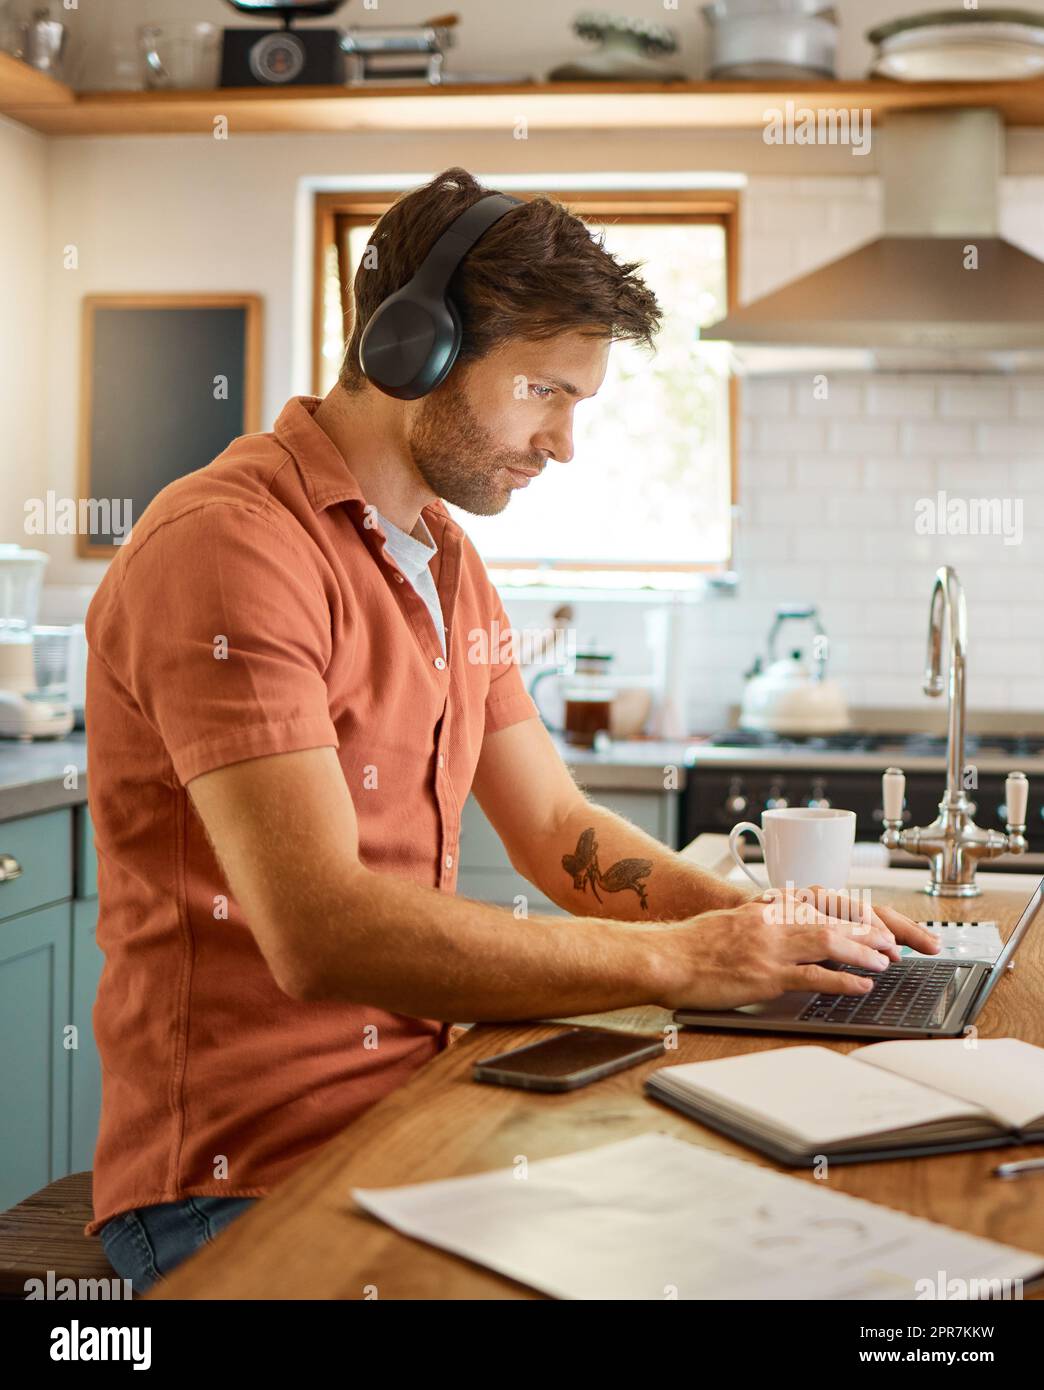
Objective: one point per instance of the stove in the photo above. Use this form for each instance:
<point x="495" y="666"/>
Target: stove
<point x="737" y="774"/>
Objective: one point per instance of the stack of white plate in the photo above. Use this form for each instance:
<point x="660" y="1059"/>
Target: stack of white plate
<point x="961" y="46"/>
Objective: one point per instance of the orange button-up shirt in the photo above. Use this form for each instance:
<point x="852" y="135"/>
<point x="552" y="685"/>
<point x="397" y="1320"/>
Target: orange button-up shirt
<point x="253" y="611"/>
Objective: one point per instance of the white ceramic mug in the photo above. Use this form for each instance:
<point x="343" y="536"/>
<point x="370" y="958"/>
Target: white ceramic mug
<point x="801" y="845"/>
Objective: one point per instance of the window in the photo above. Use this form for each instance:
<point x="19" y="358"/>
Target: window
<point x="646" y="500"/>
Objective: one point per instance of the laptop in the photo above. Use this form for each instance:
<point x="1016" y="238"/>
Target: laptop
<point x="916" y="997"/>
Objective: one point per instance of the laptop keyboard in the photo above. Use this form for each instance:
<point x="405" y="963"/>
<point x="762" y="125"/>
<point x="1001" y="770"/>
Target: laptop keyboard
<point x="909" y="994"/>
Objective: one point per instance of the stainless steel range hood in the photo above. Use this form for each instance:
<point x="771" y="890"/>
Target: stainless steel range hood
<point x="911" y="300"/>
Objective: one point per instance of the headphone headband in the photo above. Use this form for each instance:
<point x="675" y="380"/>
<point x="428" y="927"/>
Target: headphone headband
<point x="413" y="337"/>
<point x="436" y="269"/>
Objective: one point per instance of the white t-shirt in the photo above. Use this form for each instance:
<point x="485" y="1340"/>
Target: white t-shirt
<point x="414" y="558"/>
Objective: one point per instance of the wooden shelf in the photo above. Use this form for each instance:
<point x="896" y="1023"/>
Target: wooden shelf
<point x="48" y="106"/>
<point x="21" y="86"/>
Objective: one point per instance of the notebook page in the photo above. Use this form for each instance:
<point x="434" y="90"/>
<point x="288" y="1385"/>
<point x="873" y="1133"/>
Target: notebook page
<point x="1003" y="1075"/>
<point x="653" y="1217"/>
<point x="817" y="1094"/>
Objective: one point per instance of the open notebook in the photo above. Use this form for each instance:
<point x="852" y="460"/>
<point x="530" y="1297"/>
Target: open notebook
<point x="887" y="1100"/>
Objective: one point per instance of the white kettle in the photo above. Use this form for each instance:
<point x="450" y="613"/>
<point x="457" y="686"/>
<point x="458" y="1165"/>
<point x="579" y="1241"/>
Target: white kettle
<point x="793" y="695"/>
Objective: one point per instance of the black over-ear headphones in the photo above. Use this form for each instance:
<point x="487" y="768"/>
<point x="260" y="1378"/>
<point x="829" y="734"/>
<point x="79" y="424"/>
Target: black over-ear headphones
<point x="412" y="338"/>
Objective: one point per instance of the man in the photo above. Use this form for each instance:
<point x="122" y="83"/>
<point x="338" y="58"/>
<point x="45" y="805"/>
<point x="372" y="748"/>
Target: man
<point x="285" y="716"/>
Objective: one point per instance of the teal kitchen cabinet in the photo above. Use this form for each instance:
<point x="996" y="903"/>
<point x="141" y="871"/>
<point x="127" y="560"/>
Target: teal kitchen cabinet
<point x="85" y="1079"/>
<point x="34" y="1065"/>
<point x="49" y="969"/>
<point x="486" y="872"/>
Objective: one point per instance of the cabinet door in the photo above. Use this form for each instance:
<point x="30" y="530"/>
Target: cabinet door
<point x="34" y="1063"/>
<point x="87" y="962"/>
<point x="42" y="848"/>
<point x="86" y="858"/>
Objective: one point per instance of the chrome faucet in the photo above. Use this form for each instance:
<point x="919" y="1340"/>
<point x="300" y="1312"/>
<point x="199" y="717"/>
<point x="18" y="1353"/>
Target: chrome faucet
<point x="953" y="844"/>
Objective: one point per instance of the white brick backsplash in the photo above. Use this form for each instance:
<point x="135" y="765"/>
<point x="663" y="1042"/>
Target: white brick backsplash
<point x="1029" y="400"/>
<point x="785" y="583"/>
<point x="859" y="581"/>
<point x="780" y="509"/>
<point x="987" y="692"/>
<point x="1026" y="440"/>
<point x="974" y="400"/>
<point x="974" y="477"/>
<point x="832" y="473"/>
<point x="864" y="436"/>
<point x="862" y="510"/>
<point x="790" y="435"/>
<point x="1027" y="475"/>
<point x="828" y="490"/>
<point x="772" y="471"/>
<point x="863" y="655"/>
<point x="889" y="692"/>
<point x="766" y="396"/>
<point x="1026" y="693"/>
<point x="755" y="544"/>
<point x="899" y="620"/>
<point x="906" y="399"/>
<point x="936" y="437"/>
<point x="844" y="399"/>
<point x="821" y="542"/>
<point x="1010" y="656"/>
<point x="898" y="474"/>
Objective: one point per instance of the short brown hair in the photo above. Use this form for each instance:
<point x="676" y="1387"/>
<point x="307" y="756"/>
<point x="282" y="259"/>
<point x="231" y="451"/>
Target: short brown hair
<point x="537" y="272"/>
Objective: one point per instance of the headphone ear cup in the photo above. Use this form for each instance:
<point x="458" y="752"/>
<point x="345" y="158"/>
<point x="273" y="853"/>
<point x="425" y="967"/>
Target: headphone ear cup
<point x="397" y="343"/>
<point x="455" y="338"/>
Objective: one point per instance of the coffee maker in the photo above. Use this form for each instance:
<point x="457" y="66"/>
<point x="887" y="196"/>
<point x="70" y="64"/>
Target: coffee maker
<point x="26" y="712"/>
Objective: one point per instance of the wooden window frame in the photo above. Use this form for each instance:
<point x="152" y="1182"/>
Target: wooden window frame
<point x="336" y="212"/>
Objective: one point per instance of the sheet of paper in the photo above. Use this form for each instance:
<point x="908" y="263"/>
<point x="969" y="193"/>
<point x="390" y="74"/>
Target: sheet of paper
<point x="655" y="1217"/>
<point x="816" y="1094"/>
<point x="1003" y="1075"/>
<point x="963" y="941"/>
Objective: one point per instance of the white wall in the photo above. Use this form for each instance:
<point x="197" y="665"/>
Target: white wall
<point x="23" y="289"/>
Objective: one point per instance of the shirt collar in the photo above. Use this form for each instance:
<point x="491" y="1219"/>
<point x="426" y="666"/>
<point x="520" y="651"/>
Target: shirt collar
<point x="326" y="475"/>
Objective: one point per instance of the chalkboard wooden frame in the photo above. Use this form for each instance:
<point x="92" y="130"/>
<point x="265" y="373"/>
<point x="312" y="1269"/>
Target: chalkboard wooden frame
<point x="87" y="547"/>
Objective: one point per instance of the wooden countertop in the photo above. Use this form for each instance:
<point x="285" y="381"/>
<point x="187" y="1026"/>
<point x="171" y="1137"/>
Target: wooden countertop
<point x="308" y="1240"/>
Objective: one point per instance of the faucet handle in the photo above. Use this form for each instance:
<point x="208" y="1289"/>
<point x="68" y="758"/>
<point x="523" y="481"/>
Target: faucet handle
<point x="894" y="785"/>
<point x="1016" y="796"/>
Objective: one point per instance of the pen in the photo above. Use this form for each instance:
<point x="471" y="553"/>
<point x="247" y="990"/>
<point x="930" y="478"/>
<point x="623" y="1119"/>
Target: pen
<point x="1015" y="1170"/>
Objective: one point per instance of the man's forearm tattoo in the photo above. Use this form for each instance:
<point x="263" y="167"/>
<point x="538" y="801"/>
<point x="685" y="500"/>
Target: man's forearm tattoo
<point x="625" y="873"/>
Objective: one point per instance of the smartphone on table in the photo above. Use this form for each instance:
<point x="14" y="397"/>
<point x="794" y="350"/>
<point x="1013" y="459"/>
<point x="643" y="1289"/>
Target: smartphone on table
<point x="568" y="1060"/>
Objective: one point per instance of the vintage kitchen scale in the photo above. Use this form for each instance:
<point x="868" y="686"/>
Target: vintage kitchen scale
<point x="329" y="57"/>
<point x="282" y="57"/>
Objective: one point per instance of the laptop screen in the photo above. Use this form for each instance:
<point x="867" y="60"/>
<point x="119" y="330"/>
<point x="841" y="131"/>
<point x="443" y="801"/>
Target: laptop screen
<point x="1012" y="944"/>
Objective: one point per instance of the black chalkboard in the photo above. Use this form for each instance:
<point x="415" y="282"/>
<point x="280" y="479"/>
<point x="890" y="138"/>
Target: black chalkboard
<point x="168" y="382"/>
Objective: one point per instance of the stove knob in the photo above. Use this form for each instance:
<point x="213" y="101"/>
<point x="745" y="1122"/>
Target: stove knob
<point x="818" y="800"/>
<point x="735" y="802"/>
<point x="776" y="801"/>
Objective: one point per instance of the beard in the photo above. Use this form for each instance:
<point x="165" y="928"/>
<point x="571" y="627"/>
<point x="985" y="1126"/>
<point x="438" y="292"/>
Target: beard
<point x="458" y="457"/>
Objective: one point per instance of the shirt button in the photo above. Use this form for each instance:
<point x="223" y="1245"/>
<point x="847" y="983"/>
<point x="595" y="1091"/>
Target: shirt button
<point x="440" y="663"/>
<point x="398" y="578"/>
<point x="449" y="861"/>
<point x="442" y="760"/>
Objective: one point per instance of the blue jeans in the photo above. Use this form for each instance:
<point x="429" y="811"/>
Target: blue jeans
<point x="146" y="1244"/>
